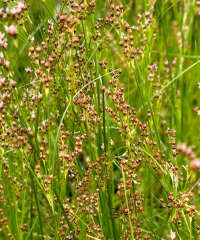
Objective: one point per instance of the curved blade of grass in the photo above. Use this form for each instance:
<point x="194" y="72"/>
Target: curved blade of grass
<point x="175" y="78"/>
<point x="171" y="82"/>
<point x="94" y="80"/>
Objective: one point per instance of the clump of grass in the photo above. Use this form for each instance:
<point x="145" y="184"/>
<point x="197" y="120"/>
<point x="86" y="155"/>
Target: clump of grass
<point x="99" y="120"/>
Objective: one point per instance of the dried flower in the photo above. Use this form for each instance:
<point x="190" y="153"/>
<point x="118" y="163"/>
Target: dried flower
<point x="11" y="30"/>
<point x="195" y="164"/>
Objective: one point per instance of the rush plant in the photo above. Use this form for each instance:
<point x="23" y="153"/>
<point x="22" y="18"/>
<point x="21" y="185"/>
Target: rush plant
<point x="99" y="119"/>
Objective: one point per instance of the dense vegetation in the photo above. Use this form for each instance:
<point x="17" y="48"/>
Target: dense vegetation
<point x="99" y="119"/>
